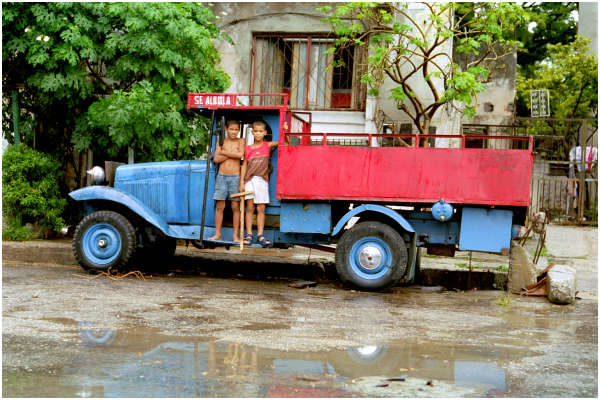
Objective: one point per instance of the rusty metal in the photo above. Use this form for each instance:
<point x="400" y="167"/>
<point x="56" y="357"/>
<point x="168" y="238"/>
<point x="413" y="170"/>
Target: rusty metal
<point x="535" y="289"/>
<point x="538" y="288"/>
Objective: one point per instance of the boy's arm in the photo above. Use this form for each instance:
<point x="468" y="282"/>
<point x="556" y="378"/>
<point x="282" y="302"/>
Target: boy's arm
<point x="272" y="145"/>
<point x="219" y="157"/>
<point x="237" y="153"/>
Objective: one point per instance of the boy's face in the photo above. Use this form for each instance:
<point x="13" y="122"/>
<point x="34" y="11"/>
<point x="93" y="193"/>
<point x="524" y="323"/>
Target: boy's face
<point x="233" y="130"/>
<point x="258" y="132"/>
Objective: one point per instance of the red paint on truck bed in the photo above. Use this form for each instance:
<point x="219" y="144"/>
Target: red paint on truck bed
<point x="403" y="174"/>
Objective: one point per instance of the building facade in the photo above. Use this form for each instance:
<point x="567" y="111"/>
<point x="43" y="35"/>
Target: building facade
<point x="282" y="48"/>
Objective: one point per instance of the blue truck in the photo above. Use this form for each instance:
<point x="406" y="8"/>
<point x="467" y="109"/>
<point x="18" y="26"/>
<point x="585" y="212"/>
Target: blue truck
<point x="406" y="198"/>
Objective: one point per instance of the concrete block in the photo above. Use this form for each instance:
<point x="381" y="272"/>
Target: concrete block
<point x="561" y="284"/>
<point x="522" y="271"/>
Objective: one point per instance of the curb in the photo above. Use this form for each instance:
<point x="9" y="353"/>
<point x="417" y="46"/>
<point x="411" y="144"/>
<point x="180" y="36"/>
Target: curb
<point x="59" y="252"/>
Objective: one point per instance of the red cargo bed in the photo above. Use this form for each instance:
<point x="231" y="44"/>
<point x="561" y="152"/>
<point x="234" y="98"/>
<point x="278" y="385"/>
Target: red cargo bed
<point x="406" y="174"/>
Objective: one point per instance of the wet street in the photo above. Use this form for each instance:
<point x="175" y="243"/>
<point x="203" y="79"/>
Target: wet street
<point x="240" y="330"/>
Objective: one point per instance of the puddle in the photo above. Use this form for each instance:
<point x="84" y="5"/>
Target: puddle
<point x="62" y="321"/>
<point x="140" y="362"/>
<point x="262" y="327"/>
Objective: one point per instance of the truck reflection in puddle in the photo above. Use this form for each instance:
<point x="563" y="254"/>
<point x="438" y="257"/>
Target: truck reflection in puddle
<point x="115" y="365"/>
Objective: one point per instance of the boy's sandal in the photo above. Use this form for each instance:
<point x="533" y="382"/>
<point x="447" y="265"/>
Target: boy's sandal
<point x="248" y="239"/>
<point x="263" y="241"/>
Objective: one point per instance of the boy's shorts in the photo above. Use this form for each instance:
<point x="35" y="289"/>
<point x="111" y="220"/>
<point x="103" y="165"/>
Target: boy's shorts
<point x="225" y="186"/>
<point x="260" y="187"/>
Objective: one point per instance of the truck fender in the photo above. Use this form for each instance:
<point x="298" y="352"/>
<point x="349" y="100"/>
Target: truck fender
<point x="376" y="208"/>
<point x="112" y="194"/>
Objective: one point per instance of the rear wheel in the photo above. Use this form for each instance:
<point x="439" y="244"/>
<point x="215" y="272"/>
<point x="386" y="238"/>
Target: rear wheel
<point x="371" y="256"/>
<point x="103" y="240"/>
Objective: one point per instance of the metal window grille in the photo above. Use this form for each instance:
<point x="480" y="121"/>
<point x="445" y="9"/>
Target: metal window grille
<point x="304" y="68"/>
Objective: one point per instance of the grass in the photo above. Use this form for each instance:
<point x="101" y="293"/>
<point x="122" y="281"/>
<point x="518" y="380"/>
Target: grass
<point x="504" y="300"/>
<point x="543" y="252"/>
<point x="430" y="256"/>
<point x="466" y="265"/>
<point x="500" y="268"/>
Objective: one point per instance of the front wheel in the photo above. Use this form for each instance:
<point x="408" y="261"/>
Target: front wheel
<point x="103" y="240"/>
<point x="371" y="256"/>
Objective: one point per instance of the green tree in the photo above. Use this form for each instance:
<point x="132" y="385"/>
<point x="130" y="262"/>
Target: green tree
<point x="551" y="23"/>
<point x="108" y="76"/>
<point x="571" y="75"/>
<point x="408" y="51"/>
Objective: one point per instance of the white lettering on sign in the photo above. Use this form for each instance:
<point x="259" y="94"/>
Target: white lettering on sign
<point x="216" y="100"/>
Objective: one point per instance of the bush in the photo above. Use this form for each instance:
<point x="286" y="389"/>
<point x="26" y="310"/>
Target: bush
<point x="30" y="190"/>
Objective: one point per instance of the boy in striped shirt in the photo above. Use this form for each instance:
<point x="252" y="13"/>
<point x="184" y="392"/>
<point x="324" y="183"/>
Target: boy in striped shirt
<point x="255" y="178"/>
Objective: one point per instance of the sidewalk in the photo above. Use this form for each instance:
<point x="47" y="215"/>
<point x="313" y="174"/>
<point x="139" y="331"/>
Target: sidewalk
<point x="435" y="271"/>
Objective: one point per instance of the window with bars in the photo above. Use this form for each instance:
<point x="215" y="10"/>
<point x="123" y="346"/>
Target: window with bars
<point x="303" y="67"/>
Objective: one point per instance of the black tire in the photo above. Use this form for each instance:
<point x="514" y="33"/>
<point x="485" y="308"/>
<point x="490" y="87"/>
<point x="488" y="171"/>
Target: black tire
<point x="371" y="256"/>
<point x="104" y="240"/>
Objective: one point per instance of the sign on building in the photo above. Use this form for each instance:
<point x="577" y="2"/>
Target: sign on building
<point x="540" y="103"/>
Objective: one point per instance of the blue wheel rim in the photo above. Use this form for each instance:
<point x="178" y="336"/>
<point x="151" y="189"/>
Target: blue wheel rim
<point x="370" y="258"/>
<point x="102" y="243"/>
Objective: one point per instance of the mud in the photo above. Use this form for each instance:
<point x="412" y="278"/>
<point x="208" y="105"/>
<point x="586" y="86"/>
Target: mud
<point x="273" y="340"/>
<point x="224" y="331"/>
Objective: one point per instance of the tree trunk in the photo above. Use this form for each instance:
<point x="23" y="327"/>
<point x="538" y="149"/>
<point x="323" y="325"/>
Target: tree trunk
<point x="424" y="130"/>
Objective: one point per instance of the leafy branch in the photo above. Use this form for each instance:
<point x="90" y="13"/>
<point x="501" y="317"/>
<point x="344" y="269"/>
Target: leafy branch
<point x="399" y="46"/>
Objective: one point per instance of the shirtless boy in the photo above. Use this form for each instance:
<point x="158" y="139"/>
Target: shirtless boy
<point x="228" y="179"/>
<point x="255" y="178"/>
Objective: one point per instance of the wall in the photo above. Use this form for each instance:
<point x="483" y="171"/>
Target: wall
<point x="240" y="20"/>
<point x="588" y="23"/>
<point x="495" y="106"/>
<point x="444" y="121"/>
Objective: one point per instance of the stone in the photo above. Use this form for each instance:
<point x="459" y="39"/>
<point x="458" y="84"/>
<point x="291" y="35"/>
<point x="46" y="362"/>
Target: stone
<point x="522" y="271"/>
<point x="561" y="285"/>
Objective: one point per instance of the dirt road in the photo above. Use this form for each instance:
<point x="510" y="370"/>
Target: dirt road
<point x="244" y="331"/>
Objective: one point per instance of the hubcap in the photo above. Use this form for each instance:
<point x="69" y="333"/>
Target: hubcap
<point x="101" y="244"/>
<point x="370" y="257"/>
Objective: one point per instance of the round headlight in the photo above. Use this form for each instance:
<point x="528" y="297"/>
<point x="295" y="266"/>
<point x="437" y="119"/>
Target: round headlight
<point x="97" y="175"/>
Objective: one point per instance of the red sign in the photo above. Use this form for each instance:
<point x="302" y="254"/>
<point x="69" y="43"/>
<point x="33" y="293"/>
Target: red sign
<point x="209" y="100"/>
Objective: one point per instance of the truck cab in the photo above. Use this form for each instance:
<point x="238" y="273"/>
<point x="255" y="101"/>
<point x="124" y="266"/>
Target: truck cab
<point x="378" y="204"/>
